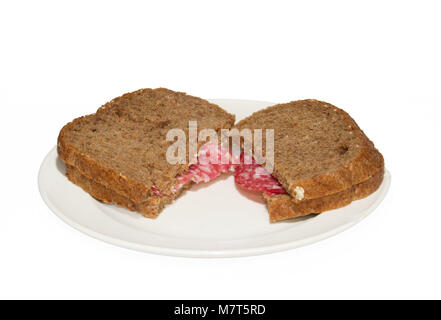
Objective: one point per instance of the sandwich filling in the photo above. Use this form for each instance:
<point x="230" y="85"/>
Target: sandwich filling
<point x="212" y="161"/>
<point x="252" y="176"/>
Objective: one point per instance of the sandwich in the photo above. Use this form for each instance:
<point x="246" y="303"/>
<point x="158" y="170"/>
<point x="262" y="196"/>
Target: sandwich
<point x="321" y="159"/>
<point x="316" y="157"/>
<point x="119" y="154"/>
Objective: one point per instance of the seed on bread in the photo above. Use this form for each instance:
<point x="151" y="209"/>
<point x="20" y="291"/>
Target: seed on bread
<point x="299" y="192"/>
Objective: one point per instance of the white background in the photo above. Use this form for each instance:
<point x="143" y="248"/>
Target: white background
<point x="379" y="60"/>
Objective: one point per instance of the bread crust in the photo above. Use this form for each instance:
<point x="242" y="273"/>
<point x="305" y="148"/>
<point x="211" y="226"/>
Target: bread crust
<point x="368" y="163"/>
<point x="101" y="173"/>
<point x="282" y="207"/>
<point x="149" y="208"/>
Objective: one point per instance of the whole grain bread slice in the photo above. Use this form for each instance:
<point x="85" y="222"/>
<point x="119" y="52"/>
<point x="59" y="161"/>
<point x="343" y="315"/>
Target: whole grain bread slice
<point x="123" y="145"/>
<point x="319" y="150"/>
<point x="282" y="207"/>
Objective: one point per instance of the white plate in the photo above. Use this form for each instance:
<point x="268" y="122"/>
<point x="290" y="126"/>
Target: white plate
<point x="213" y="220"/>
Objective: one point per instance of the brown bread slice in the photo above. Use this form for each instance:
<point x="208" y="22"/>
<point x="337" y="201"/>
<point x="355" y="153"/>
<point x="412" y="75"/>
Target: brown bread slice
<point x="123" y="145"/>
<point x="149" y="208"/>
<point x="281" y="207"/>
<point x="318" y="148"/>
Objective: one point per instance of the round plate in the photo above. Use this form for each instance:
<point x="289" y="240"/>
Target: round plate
<point x="211" y="220"/>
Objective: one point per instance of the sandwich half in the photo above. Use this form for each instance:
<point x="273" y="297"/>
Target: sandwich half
<point x="118" y="154"/>
<point x="322" y="159"/>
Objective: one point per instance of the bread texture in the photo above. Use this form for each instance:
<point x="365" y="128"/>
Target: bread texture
<point x="318" y="149"/>
<point x="282" y="207"/>
<point x="122" y="147"/>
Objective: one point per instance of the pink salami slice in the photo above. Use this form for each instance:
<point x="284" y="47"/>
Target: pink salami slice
<point x="252" y="176"/>
<point x="212" y="161"/>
